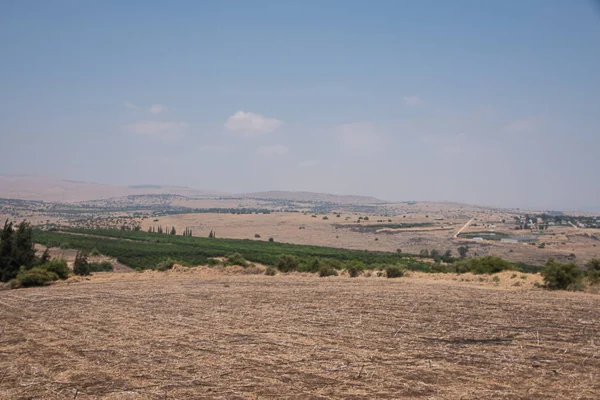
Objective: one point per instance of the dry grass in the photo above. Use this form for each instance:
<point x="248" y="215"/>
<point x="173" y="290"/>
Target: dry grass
<point x="187" y="335"/>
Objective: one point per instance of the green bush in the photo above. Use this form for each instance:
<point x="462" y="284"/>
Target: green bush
<point x="483" y="265"/>
<point x="287" y="263"/>
<point x="353" y="271"/>
<point x="33" y="277"/>
<point x="393" y="271"/>
<point x="80" y="266"/>
<point x="593" y="270"/>
<point x="104" y="266"/>
<point x="271" y="271"/>
<point x="58" y="267"/>
<point x="236" y="259"/>
<point x="439" y="267"/>
<point x="559" y="276"/>
<point x="95" y="252"/>
<point x="326" y="270"/>
<point x="165" y="265"/>
<point x="212" y="262"/>
<point x="311" y="265"/>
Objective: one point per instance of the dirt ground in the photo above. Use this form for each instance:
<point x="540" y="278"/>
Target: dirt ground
<point x="199" y="334"/>
<point x="286" y="227"/>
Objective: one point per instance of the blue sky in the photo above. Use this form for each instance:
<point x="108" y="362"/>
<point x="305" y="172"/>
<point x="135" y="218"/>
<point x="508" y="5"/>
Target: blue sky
<point x="485" y="102"/>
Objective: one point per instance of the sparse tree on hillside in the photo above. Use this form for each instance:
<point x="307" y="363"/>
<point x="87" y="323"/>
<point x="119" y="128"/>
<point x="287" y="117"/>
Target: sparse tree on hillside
<point x="7" y="266"/>
<point x="173" y="231"/>
<point x="80" y="266"/>
<point x="463" y="251"/>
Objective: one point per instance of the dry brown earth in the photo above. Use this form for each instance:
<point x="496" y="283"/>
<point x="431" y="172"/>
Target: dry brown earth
<point x="195" y="335"/>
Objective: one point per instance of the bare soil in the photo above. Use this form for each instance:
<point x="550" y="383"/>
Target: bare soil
<point x="199" y="334"/>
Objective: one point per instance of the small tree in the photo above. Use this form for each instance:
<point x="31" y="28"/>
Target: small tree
<point x="173" y="231"/>
<point x="287" y="263"/>
<point x="393" y="271"/>
<point x="559" y="276"/>
<point x="80" y="266"/>
<point x="593" y="270"/>
<point x="463" y="251"/>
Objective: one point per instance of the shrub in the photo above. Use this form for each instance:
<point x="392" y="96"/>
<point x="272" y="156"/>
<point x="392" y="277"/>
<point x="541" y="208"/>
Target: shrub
<point x="165" y="265"/>
<point x="95" y="252"/>
<point x="353" y="271"/>
<point x="59" y="267"/>
<point x="311" y="265"/>
<point x="271" y="239"/>
<point x="393" y="271"/>
<point x="104" y="266"/>
<point x="256" y="235"/>
<point x="287" y="263"/>
<point x="271" y="271"/>
<point x="483" y="265"/>
<point x="325" y="217"/>
<point x="559" y="276"/>
<point x="593" y="270"/>
<point x="33" y="277"/>
<point x="327" y="271"/>
<point x="80" y="266"/>
<point x="212" y="262"/>
<point x="439" y="267"/>
<point x="236" y="259"/>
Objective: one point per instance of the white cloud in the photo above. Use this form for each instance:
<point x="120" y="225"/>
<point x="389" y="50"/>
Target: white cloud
<point x="358" y="136"/>
<point x="412" y="101"/>
<point x="162" y="130"/>
<point x="215" y="149"/>
<point x="130" y="106"/>
<point x="157" y="109"/>
<point x="251" y="124"/>
<point x="308" y="163"/>
<point x="523" y="125"/>
<point x="275" y="149"/>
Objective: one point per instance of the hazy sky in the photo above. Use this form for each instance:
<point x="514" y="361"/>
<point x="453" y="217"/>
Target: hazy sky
<point x="485" y="102"/>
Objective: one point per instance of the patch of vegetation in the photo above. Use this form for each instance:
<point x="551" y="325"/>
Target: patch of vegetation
<point x="81" y="266"/>
<point x="270" y="271"/>
<point x="103" y="266"/>
<point x="327" y="270"/>
<point x="32" y="277"/>
<point x="353" y="271"/>
<point x="58" y="267"/>
<point x="236" y="259"/>
<point x="482" y="265"/>
<point x="593" y="271"/>
<point x="165" y="265"/>
<point x="287" y="263"/>
<point x="143" y="250"/>
<point x="393" y="271"/>
<point x="559" y="276"/>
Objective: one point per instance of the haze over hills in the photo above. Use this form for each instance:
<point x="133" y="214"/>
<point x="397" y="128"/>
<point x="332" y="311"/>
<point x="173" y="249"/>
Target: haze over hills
<point x="67" y="191"/>
<point x="311" y="196"/>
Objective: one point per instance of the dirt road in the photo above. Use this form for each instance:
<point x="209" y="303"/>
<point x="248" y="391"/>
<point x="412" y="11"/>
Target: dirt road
<point x="464" y="227"/>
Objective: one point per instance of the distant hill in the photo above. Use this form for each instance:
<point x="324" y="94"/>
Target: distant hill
<point x="310" y="196"/>
<point x="68" y="191"/>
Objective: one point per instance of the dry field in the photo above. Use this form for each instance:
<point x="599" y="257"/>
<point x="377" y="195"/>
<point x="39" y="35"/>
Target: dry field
<point x="285" y="227"/>
<point x="194" y="335"/>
